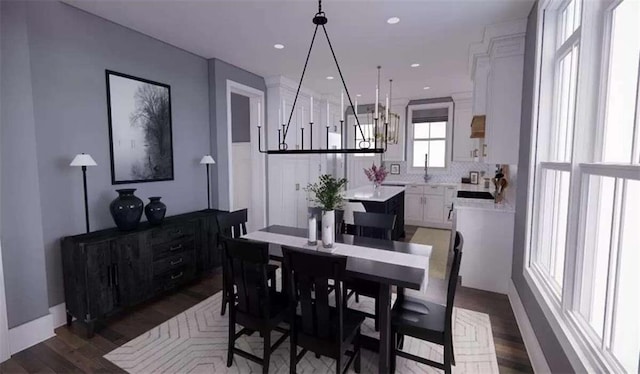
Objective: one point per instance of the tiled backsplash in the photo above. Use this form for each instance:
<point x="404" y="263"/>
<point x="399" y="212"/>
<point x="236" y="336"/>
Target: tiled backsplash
<point x="453" y="174"/>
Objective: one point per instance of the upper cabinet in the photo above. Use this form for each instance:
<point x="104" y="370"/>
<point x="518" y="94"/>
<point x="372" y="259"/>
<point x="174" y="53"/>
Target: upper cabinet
<point x="496" y="66"/>
<point x="464" y="146"/>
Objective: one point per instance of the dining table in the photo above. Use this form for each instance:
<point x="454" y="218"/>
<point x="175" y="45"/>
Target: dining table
<point x="386" y="262"/>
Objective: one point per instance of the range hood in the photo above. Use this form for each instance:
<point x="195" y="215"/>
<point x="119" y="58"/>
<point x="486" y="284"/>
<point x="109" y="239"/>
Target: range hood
<point x="477" y="126"/>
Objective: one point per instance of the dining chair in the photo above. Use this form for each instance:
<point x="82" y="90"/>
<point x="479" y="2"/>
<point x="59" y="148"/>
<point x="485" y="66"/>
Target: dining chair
<point x="234" y="225"/>
<point x="320" y="328"/>
<point x="255" y="305"/>
<point x="427" y="321"/>
<point x="376" y="225"/>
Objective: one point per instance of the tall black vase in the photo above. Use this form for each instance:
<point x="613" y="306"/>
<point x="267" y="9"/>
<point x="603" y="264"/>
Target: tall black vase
<point x="155" y="210"/>
<point x="126" y="209"/>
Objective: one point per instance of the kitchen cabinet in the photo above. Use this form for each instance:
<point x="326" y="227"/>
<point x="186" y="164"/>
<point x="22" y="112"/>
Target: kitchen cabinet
<point x="434" y="208"/>
<point x="463" y="144"/>
<point x="413" y="208"/>
<point x="428" y="205"/>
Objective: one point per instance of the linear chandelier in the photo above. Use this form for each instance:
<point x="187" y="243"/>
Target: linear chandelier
<point x="364" y="146"/>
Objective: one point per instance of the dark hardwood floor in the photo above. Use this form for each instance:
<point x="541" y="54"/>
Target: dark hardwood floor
<point x="70" y="352"/>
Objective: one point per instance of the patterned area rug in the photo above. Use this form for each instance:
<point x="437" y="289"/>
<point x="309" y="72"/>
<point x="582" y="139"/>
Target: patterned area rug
<point x="195" y="341"/>
<point x="439" y="239"/>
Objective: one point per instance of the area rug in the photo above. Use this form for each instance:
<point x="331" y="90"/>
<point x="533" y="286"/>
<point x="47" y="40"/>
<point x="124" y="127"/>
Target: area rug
<point x="439" y="240"/>
<point x="195" y="341"/>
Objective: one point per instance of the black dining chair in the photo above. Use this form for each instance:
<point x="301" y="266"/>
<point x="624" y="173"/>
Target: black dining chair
<point x="234" y="225"/>
<point x="434" y="325"/>
<point x="317" y="211"/>
<point x="321" y="328"/>
<point x="376" y="225"/>
<point x="255" y="305"/>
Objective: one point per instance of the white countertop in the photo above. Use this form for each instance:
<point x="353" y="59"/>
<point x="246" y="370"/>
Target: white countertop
<point x="480" y="204"/>
<point x="368" y="193"/>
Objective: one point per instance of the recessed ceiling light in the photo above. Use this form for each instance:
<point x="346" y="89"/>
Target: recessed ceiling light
<point x="329" y="77"/>
<point x="278" y="46"/>
<point x="415" y="65"/>
<point x="358" y="95"/>
<point x="426" y="87"/>
<point x="393" y="20"/>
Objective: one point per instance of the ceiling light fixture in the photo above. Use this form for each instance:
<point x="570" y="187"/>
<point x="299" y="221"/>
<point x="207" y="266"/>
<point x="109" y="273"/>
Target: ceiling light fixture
<point x="393" y="20"/>
<point x="330" y="77"/>
<point x="358" y="95"/>
<point x="278" y="46"/>
<point x="426" y="88"/>
<point x="365" y="146"/>
<point x="415" y="65"/>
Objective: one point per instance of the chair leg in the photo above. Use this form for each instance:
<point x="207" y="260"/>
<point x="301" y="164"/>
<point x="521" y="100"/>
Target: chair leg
<point x="357" y="352"/>
<point x="232" y="334"/>
<point x="339" y="362"/>
<point x="453" y="356"/>
<point x="376" y="322"/>
<point x="293" y="353"/>
<point x="399" y="341"/>
<point x="393" y="351"/>
<point x="447" y="356"/>
<point x="225" y="297"/>
<point x="266" y="357"/>
<point x="357" y="298"/>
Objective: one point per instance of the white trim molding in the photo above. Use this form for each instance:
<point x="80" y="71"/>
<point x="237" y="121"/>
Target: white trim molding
<point x="4" y="324"/>
<point x="536" y="356"/>
<point x="30" y="333"/>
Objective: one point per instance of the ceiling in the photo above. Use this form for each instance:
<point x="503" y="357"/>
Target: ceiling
<point x="435" y="34"/>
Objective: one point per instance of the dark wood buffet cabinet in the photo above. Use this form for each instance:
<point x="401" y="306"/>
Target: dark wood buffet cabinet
<point x="109" y="270"/>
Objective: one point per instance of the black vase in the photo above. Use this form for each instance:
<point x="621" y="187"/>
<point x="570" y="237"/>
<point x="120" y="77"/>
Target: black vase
<point x="155" y="210"/>
<point x="126" y="209"/>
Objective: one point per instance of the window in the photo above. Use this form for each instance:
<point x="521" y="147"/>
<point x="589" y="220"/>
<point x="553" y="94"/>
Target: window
<point x="429" y="136"/>
<point x="583" y="253"/>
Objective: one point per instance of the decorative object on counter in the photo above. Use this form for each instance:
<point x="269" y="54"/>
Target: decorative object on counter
<point x="376" y="174"/>
<point x="139" y="113"/>
<point x="474" y="177"/>
<point x="84" y="160"/>
<point x="155" y="210"/>
<point x="312" y="230"/>
<point x="426" y="167"/>
<point x="395" y="169"/>
<point x="208" y="160"/>
<point x="327" y="194"/>
<point x="465" y="180"/>
<point x="126" y="209"/>
<point x="487" y="182"/>
<point x="500" y="182"/>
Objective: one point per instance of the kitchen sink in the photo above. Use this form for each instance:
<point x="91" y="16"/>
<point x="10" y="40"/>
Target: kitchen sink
<point x="475" y="195"/>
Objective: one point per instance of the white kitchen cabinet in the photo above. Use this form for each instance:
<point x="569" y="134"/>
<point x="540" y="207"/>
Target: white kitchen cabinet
<point x="426" y="205"/>
<point x="463" y="145"/>
<point x="434" y="208"/>
<point x="413" y="208"/>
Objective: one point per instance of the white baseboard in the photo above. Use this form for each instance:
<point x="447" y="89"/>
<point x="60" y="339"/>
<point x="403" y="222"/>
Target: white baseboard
<point x="58" y="315"/>
<point x="536" y="356"/>
<point x="30" y="333"/>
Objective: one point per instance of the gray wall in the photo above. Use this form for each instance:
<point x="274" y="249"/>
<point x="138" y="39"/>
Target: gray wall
<point x="240" y="119"/>
<point x="68" y="52"/>
<point x="556" y="358"/>
<point x="20" y="218"/>
<point x="219" y="73"/>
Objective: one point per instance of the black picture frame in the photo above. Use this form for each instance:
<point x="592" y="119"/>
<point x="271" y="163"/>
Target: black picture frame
<point x="156" y="166"/>
<point x="395" y="169"/>
<point x="474" y="177"/>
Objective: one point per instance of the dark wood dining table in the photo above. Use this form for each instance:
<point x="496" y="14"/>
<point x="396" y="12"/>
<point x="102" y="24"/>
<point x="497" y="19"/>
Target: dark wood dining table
<point x="385" y="273"/>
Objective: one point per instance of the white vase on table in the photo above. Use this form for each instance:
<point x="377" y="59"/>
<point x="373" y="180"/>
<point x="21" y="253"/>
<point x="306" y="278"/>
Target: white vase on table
<point x="328" y="228"/>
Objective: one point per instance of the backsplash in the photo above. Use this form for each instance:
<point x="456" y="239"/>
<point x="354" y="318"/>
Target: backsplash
<point x="453" y="174"/>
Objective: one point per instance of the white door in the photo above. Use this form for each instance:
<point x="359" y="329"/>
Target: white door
<point x="302" y="168"/>
<point x="413" y="207"/>
<point x="434" y="208"/>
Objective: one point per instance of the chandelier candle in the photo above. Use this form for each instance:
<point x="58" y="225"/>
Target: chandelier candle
<point x="311" y="110"/>
<point x="342" y="106"/>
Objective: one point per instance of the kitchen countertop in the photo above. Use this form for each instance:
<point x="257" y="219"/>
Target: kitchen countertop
<point x="367" y="193"/>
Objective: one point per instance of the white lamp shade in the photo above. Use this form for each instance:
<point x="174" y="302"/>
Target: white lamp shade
<point x="83" y="159"/>
<point x="207" y="159"/>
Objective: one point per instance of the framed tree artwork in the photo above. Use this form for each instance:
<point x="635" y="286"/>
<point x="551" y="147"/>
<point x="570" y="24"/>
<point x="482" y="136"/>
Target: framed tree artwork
<point x="140" y="136"/>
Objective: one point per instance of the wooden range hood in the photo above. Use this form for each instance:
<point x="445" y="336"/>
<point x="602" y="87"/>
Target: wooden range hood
<point x="477" y="126"/>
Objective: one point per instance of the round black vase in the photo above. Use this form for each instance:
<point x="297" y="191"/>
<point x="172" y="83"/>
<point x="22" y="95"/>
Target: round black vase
<point x="126" y="209"/>
<point x="155" y="210"/>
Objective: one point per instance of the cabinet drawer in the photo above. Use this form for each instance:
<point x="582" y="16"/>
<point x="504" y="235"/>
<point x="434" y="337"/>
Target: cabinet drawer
<point x="172" y="279"/>
<point x="433" y="190"/>
<point x="172" y="248"/>
<point x="170" y="233"/>
<point x="414" y="189"/>
<point x="169" y="263"/>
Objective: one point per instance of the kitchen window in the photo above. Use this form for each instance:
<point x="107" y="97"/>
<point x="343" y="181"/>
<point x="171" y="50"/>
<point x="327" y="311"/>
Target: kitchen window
<point x="429" y="136"/>
<point x="583" y="253"/>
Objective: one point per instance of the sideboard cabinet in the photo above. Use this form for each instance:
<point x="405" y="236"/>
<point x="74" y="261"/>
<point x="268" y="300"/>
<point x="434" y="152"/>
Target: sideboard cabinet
<point x="109" y="270"/>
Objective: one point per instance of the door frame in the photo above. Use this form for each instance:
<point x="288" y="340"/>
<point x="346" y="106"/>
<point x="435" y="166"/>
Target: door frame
<point x="5" y="353"/>
<point x="257" y="215"/>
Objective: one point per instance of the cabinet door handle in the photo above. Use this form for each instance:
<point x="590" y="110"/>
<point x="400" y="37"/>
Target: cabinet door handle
<point x="475" y="153"/>
<point x="484" y="150"/>
<point x="175" y="247"/>
<point x="115" y="274"/>
<point x="176" y="276"/>
<point x="176" y="262"/>
<point x="297" y="186"/>
<point x="109" y="278"/>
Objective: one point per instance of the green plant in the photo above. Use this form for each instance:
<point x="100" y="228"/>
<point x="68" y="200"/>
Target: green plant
<point x="327" y="192"/>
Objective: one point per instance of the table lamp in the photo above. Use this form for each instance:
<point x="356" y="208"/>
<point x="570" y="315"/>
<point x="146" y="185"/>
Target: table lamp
<point x="208" y="160"/>
<point x="84" y="160"/>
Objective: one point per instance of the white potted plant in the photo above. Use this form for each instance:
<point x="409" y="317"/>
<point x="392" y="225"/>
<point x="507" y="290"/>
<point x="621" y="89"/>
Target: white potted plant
<point x="327" y="194"/>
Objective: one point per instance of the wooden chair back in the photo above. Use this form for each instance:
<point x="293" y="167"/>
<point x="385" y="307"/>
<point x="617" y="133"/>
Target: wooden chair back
<point x="246" y="269"/>
<point x="375" y="225"/>
<point x="309" y="273"/>
<point x="233" y="224"/>
<point x="453" y="279"/>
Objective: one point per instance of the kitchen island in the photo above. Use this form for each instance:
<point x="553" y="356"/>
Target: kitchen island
<point x="384" y="199"/>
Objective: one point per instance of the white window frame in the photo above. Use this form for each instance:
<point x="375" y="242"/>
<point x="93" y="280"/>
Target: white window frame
<point x="409" y="138"/>
<point x="584" y="354"/>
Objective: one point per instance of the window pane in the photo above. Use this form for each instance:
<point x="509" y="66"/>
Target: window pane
<point x="623" y="82"/>
<point x="565" y="106"/>
<point x="596" y="251"/>
<point x="437" y="153"/>
<point x="552" y="225"/>
<point x="421" y="130"/>
<point x="626" y="329"/>
<point x="570" y="19"/>
<point x="420" y="148"/>
<point x="438" y="130"/>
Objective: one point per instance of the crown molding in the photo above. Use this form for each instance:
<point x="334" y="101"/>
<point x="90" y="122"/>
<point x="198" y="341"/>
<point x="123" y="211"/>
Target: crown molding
<point x="499" y="40"/>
